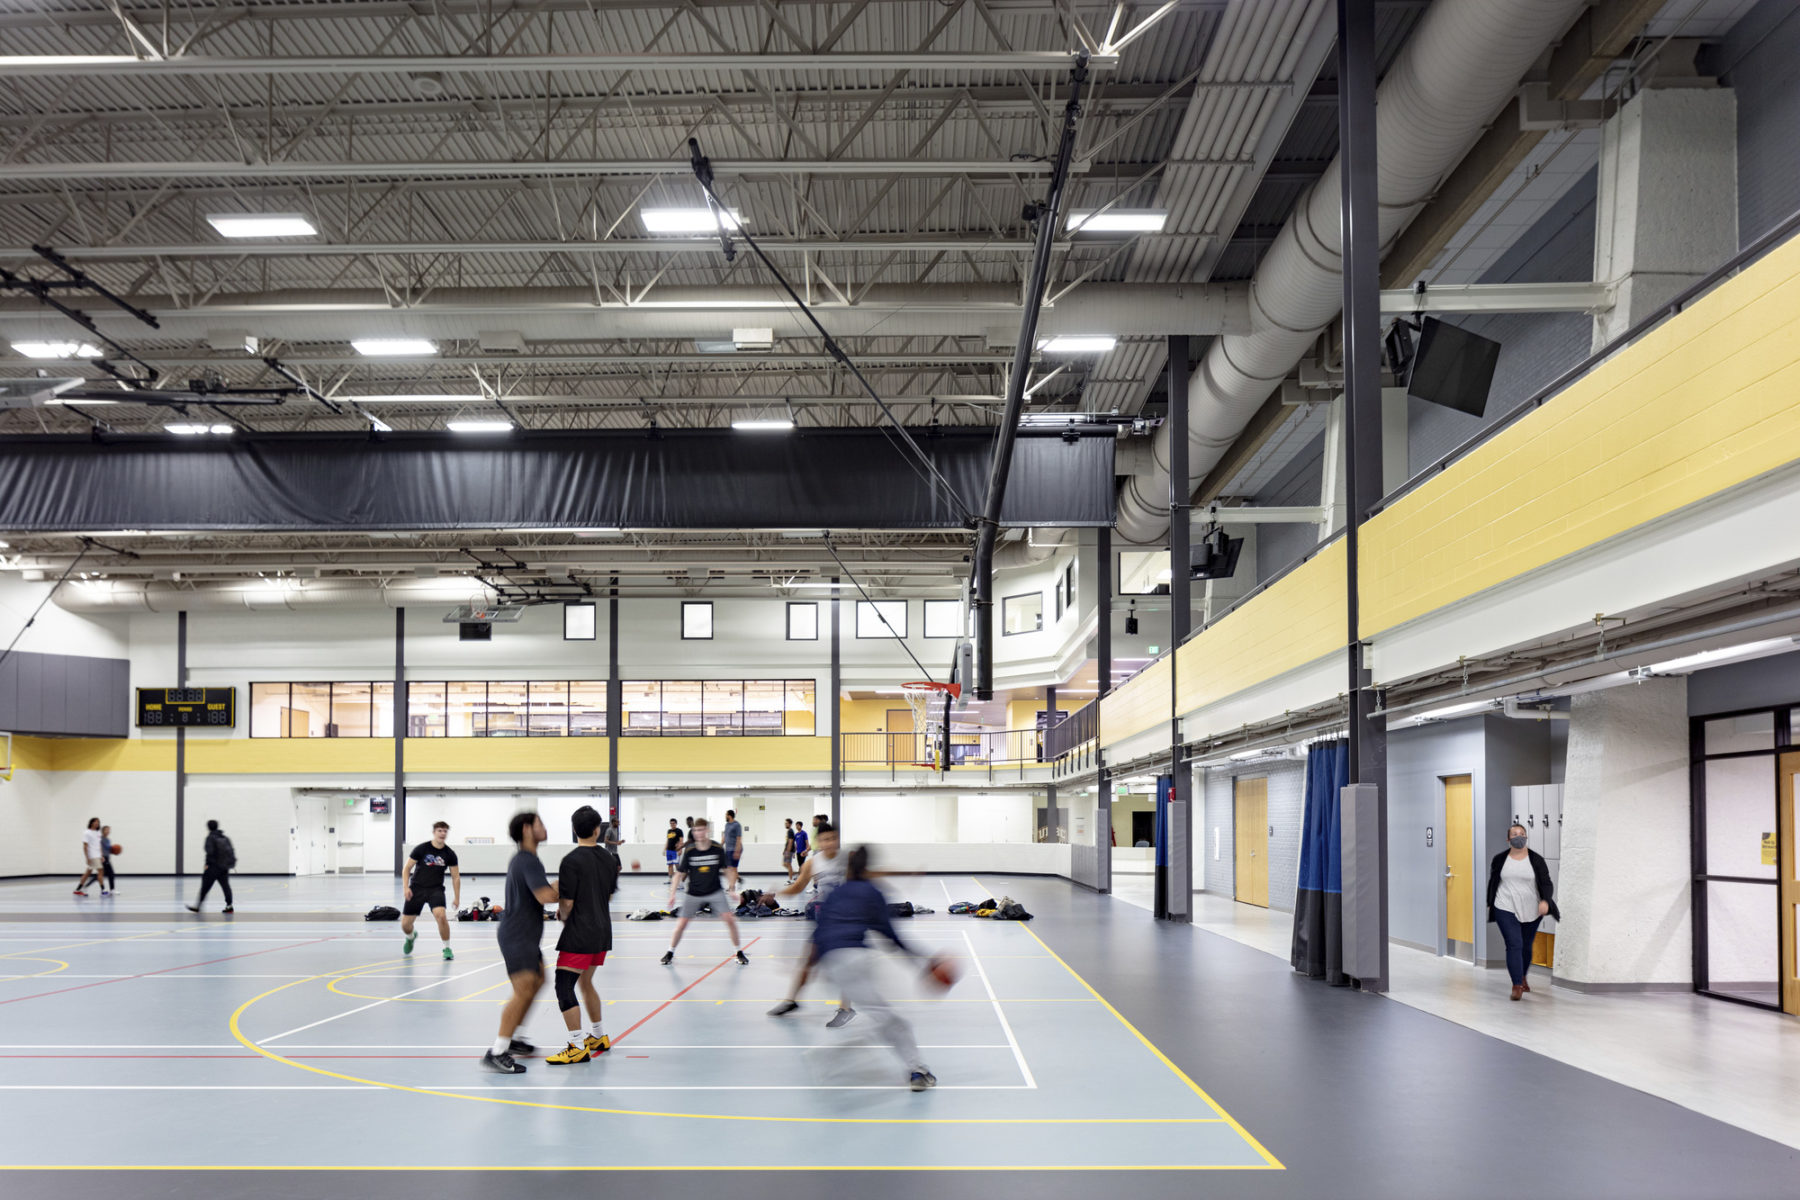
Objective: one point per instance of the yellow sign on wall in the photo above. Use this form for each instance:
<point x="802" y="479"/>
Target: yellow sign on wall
<point x="1768" y="850"/>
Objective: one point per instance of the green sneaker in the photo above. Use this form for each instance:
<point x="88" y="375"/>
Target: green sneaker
<point x="447" y="954"/>
<point x="407" y="945"/>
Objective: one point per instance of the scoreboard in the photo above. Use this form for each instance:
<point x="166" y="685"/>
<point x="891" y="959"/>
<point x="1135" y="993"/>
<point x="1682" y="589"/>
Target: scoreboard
<point x="170" y="707"/>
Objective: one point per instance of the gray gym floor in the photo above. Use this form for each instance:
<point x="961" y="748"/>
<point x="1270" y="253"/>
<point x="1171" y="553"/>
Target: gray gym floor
<point x="221" y="1056"/>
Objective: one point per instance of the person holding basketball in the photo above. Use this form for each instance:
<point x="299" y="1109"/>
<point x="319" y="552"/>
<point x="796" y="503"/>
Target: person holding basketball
<point x="854" y="909"/>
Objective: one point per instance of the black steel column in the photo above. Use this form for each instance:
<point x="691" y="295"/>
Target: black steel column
<point x="1362" y="399"/>
<point x="615" y="702"/>
<point x="1049" y="722"/>
<point x="401" y="719"/>
<point x="1103" y="578"/>
<point x="836" y="710"/>
<point x="181" y="749"/>
<point x="1174" y="879"/>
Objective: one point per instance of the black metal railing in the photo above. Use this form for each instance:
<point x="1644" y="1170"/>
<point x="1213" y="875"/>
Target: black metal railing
<point x="989" y="751"/>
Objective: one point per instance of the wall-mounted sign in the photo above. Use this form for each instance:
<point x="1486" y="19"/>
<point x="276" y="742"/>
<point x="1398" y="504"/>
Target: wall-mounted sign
<point x="1768" y="849"/>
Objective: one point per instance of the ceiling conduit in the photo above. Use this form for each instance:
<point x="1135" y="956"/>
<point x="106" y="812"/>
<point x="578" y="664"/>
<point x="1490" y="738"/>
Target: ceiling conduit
<point x="1461" y="65"/>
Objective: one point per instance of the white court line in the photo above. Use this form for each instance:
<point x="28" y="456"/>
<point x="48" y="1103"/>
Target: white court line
<point x="484" y="1046"/>
<point x="948" y="898"/>
<point x="377" y="1003"/>
<point x="1005" y="1025"/>
<point x="712" y="1087"/>
<point x="187" y="1087"/>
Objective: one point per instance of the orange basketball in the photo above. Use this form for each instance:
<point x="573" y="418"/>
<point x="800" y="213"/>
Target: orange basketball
<point x="118" y="849"/>
<point x="634" y="864"/>
<point x="941" y="973"/>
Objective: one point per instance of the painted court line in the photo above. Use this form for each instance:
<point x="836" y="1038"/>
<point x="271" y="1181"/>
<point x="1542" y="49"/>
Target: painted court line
<point x="166" y="970"/>
<point x="1005" y="1025"/>
<point x="378" y="1003"/>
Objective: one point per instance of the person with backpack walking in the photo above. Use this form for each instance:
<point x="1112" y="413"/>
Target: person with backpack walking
<point x="221" y="860"/>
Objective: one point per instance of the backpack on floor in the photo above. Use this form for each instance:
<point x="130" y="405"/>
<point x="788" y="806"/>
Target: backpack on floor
<point x="1012" y="910"/>
<point x="962" y="908"/>
<point x="382" y="912"/>
<point x="903" y="908"/>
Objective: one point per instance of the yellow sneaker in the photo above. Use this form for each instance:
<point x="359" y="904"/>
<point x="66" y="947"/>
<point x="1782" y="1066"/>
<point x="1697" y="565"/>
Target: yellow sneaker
<point x="598" y="1045"/>
<point x="572" y="1053"/>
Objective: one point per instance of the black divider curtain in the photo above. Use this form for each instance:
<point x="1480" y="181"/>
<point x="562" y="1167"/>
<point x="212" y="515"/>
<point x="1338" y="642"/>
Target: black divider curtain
<point x="1319" y="903"/>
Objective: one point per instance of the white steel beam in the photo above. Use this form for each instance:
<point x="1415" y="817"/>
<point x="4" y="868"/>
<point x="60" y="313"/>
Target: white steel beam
<point x="451" y="169"/>
<point x="190" y="65"/>
<point x="658" y="246"/>
<point x="1501" y="298"/>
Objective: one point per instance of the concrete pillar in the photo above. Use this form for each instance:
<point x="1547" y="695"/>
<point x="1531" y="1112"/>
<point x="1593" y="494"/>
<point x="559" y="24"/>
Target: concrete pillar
<point x="1667" y="210"/>
<point x="1625" y="866"/>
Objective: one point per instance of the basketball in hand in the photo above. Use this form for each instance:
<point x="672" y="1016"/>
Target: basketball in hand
<point x="940" y="973"/>
<point x="118" y="849"/>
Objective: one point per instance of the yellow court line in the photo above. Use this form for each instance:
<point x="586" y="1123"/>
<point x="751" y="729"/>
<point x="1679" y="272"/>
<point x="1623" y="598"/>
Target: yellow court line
<point x="95" y="942"/>
<point x="1274" y="1163"/>
<point x="60" y="966"/>
<point x="588" y="1168"/>
<point x="243" y="1039"/>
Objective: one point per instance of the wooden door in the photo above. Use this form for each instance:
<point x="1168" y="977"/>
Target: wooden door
<point x="1459" y="859"/>
<point x="1787" y="824"/>
<point x="900" y="736"/>
<point x="1250" y="836"/>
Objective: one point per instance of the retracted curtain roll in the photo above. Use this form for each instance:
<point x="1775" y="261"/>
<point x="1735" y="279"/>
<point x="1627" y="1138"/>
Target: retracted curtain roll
<point x="1318" y="950"/>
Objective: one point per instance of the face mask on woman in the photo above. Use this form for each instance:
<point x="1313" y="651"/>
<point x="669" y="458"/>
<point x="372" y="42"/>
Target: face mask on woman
<point x="1518" y="842"/>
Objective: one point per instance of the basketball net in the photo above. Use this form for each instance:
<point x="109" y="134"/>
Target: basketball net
<point x="930" y="745"/>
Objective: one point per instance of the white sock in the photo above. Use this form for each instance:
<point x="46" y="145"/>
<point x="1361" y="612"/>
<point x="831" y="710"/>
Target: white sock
<point x="501" y="1044"/>
<point x="598" y="1032"/>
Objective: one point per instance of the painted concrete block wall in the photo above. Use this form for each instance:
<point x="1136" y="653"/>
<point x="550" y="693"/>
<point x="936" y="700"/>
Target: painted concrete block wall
<point x="1217" y="844"/>
<point x="1625" y="866"/>
<point x="1418" y="761"/>
<point x="1756" y="60"/>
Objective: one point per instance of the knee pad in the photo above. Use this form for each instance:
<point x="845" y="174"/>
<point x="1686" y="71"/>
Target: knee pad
<point x="565" y="989"/>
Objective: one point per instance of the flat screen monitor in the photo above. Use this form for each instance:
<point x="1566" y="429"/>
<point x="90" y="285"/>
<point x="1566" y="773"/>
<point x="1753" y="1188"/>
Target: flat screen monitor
<point x="1453" y="367"/>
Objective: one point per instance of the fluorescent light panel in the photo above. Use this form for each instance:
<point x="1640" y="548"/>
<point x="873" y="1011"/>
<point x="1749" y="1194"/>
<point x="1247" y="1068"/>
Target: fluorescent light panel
<point x="481" y="426"/>
<point x="56" y="349"/>
<point x="1078" y="343"/>
<point x="195" y="429"/>
<point x="1117" y="220"/>
<point x="780" y="425"/>
<point x="261" y="225"/>
<point x="688" y="220"/>
<point x="378" y="347"/>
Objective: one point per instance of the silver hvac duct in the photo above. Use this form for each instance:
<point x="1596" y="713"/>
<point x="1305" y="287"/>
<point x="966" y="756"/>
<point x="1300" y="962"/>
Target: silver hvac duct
<point x="1460" y="66"/>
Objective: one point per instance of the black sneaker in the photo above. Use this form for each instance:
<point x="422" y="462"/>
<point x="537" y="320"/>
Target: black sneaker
<point x="743" y="959"/>
<point x="194" y="908"/>
<point x="520" y="1048"/>
<point x="841" y="1018"/>
<point x="784" y="1008"/>
<point x="920" y="1080"/>
<point x="504" y="1064"/>
<point x="228" y="909"/>
<point x="668" y="957"/>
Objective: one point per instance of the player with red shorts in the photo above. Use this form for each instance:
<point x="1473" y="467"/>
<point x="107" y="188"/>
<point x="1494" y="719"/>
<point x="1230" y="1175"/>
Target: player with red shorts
<point x="585" y="882"/>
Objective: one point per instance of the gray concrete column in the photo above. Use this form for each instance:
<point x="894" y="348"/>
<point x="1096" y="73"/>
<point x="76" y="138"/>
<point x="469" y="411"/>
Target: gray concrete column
<point x="1625" y="867"/>
<point x="1667" y="210"/>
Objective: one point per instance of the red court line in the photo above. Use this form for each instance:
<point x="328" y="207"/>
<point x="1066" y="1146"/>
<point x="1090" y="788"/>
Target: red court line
<point x="684" y="991"/>
<point x="184" y="967"/>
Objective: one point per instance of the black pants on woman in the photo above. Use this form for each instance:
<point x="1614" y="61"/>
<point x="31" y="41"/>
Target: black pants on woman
<point x="1519" y="938"/>
<point x="212" y="875"/>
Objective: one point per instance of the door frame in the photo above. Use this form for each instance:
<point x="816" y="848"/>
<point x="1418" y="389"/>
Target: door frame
<point x="1445" y="943"/>
<point x="1787" y="890"/>
<point x="1238" y="892"/>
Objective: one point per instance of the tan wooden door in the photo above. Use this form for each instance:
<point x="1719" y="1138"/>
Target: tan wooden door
<point x="1250" y="835"/>
<point x="1787" y="824"/>
<point x="1459" y="858"/>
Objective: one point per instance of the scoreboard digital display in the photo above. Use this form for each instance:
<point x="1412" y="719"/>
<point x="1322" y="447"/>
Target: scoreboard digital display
<point x="170" y="707"/>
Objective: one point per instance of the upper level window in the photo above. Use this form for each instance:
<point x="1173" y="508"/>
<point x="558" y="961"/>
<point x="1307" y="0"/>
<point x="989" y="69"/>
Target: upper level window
<point x="696" y="620"/>
<point x="943" y="619"/>
<point x="802" y="621"/>
<point x="881" y="618"/>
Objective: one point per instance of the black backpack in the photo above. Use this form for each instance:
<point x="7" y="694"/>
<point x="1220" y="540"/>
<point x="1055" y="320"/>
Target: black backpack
<point x="382" y="912"/>
<point x="227" y="853"/>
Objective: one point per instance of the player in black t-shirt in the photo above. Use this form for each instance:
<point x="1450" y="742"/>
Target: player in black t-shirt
<point x="422" y="884"/>
<point x="585" y="883"/>
<point x="672" y="843"/>
<point x="711" y="880"/>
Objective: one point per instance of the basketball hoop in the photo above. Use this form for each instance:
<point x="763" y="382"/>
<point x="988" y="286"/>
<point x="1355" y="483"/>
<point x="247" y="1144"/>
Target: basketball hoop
<point x="921" y="697"/>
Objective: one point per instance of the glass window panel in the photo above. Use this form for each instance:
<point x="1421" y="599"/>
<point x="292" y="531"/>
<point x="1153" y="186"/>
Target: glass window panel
<point x="1743" y="940"/>
<point x="1022" y="614"/>
<point x="309" y="710"/>
<point x="1755" y="731"/>
<point x="803" y="621"/>
<point x="765" y="702"/>
<point x="881" y="618"/>
<point x="587" y="708"/>
<point x="1143" y="572"/>
<point x="268" y="709"/>
<point x="425" y="709"/>
<point x="943" y="618"/>
<point x="641" y="707"/>
<point x="382" y="702"/>
<point x="1740" y="809"/>
<point x="723" y="700"/>
<point x="350" y="710"/>
<point x="696" y="619"/>
<point x="548" y="713"/>
<point x="507" y="713"/>
<point x="800" y="721"/>
<point x="580" y="622"/>
<point x="465" y="707"/>
<point x="682" y="706"/>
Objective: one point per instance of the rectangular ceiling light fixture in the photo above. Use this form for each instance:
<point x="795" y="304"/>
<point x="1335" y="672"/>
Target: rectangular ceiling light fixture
<point x="195" y="430"/>
<point x="383" y="347"/>
<point x="481" y="426"/>
<point x="261" y="225"/>
<point x="1078" y="343"/>
<point x="56" y="349"/>
<point x="687" y="220"/>
<point x="420" y="398"/>
<point x="1118" y="220"/>
<point x="777" y="425"/>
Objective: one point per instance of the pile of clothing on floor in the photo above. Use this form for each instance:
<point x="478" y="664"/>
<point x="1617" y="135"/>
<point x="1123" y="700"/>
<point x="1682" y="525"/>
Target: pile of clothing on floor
<point x="1003" y="909"/>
